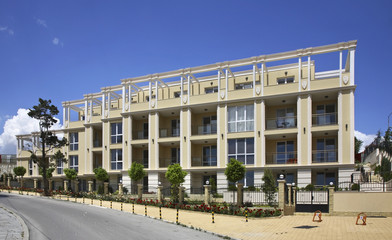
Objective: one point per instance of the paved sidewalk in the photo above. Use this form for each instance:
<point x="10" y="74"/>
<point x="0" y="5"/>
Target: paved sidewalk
<point x="287" y="227"/>
<point x="11" y="225"/>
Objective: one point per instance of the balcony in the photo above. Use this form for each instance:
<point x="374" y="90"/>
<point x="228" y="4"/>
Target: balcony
<point x="204" y="129"/>
<point x="138" y="135"/>
<point x="204" y="162"/>
<point x="281" y="158"/>
<point x="165" y="162"/>
<point x="324" y="156"/>
<point x="324" y="119"/>
<point x="169" y="132"/>
<point x="282" y="122"/>
<point x="143" y="161"/>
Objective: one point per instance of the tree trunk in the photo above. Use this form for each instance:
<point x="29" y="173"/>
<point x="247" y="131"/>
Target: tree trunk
<point x="44" y="169"/>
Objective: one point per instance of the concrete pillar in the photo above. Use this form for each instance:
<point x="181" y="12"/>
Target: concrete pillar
<point x="139" y="191"/>
<point x="207" y="191"/>
<point x="240" y="195"/>
<point x="290" y="187"/>
<point x="90" y="186"/>
<point x="159" y="193"/>
<point x="294" y="195"/>
<point x="181" y="194"/>
<point x="50" y="184"/>
<point x="4" y="179"/>
<point x="331" y="192"/>
<point x="105" y="188"/>
<point x="76" y="186"/>
<point x="9" y="181"/>
<point x="120" y="189"/>
<point x="281" y="193"/>
<point x="65" y="185"/>
<point x="35" y="183"/>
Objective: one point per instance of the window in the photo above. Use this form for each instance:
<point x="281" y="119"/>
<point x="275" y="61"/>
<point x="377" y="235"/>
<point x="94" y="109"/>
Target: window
<point x="211" y="90"/>
<point x="30" y="167"/>
<point x="176" y="157"/>
<point x="285" y="152"/>
<point x="178" y="94"/>
<point x="73" y="141"/>
<point x="145" y="158"/>
<point x="285" y="118"/>
<point x="326" y="114"/>
<point x="241" y="118"/>
<point x="209" y="155"/>
<point x="116" y="159"/>
<point x="74" y="162"/>
<point x="249" y="179"/>
<point x="209" y="125"/>
<point x="175" y="123"/>
<point x="248" y="85"/>
<point x="325" y="178"/>
<point x="60" y="167"/>
<point x="116" y="132"/>
<point x="148" y="98"/>
<point x="326" y="150"/>
<point x="242" y="149"/>
<point x="285" y="80"/>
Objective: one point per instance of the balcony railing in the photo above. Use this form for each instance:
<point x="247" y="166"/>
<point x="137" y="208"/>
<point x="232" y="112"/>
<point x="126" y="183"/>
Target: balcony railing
<point x="142" y="161"/>
<point x="169" y="132"/>
<point x="137" y="135"/>
<point x="204" y="162"/>
<point x="322" y="156"/>
<point x="165" y="162"/>
<point x="281" y="158"/>
<point x="204" y="129"/>
<point x="324" y="119"/>
<point x="97" y="143"/>
<point x="282" y="122"/>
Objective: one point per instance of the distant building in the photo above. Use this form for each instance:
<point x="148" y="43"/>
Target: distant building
<point x="7" y="163"/>
<point x="274" y="111"/>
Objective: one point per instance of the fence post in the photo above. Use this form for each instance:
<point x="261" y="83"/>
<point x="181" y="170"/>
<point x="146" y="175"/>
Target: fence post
<point x="331" y="192"/>
<point x="207" y="190"/>
<point x="289" y="187"/>
<point x="281" y="194"/>
<point x="35" y="183"/>
<point x="105" y="188"/>
<point x="120" y="189"/>
<point x="181" y="197"/>
<point x="294" y="196"/>
<point x="159" y="193"/>
<point x="9" y="182"/>
<point x="65" y="185"/>
<point x="90" y="186"/>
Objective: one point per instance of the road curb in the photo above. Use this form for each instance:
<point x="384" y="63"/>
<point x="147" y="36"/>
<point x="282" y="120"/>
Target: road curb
<point x="26" y="235"/>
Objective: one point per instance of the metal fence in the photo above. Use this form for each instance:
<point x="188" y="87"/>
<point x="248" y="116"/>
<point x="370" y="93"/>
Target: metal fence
<point x="365" y="186"/>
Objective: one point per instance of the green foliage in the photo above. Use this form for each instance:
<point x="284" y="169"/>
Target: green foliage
<point x="101" y="174"/>
<point x="355" y="187"/>
<point x="310" y="187"/>
<point x="235" y="170"/>
<point x="49" y="172"/>
<point x="71" y="174"/>
<point x="213" y="184"/>
<point x="269" y="186"/>
<point x="136" y="172"/>
<point x="20" y="171"/>
<point x="358" y="144"/>
<point x="232" y="187"/>
<point x="44" y="112"/>
<point x="175" y="175"/>
<point x="385" y="169"/>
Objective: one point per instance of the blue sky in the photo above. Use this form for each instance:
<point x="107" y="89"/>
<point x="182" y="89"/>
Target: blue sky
<point x="61" y="50"/>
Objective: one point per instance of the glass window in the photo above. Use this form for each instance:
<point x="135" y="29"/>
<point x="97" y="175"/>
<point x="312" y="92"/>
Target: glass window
<point x="241" y="149"/>
<point x="73" y="141"/>
<point x="285" y="152"/>
<point x="285" y="80"/>
<point x="326" y="150"/>
<point x="326" y="114"/>
<point x="60" y="167"/>
<point x="211" y="90"/>
<point x="285" y="118"/>
<point x="30" y="167"/>
<point x="241" y="118"/>
<point x="116" y="159"/>
<point x="248" y="180"/>
<point x="116" y="132"/>
<point x="74" y="162"/>
<point x="176" y="155"/>
<point x="209" y="155"/>
<point x="175" y="127"/>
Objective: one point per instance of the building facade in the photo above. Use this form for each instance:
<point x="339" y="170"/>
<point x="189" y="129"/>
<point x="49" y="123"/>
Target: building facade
<point x="274" y="111"/>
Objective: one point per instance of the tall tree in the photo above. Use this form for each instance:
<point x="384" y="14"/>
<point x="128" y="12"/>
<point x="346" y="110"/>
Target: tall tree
<point x="269" y="186"/>
<point x="44" y="112"/>
<point x="358" y="144"/>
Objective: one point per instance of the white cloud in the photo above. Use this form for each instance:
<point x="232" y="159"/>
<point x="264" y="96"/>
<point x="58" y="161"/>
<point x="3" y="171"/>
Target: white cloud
<point x="55" y="41"/>
<point x="41" y="22"/>
<point x="18" y="124"/>
<point x="7" y="30"/>
<point x="366" y="139"/>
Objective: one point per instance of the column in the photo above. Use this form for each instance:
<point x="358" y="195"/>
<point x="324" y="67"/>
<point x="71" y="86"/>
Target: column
<point x="90" y="186"/>
<point x="207" y="191"/>
<point x="9" y="182"/>
<point x="120" y="189"/>
<point x="159" y="193"/>
<point x="331" y="192"/>
<point x="352" y="68"/>
<point x="188" y="182"/>
<point x="281" y="193"/>
<point x="35" y="183"/>
<point x="65" y="185"/>
<point x="290" y="188"/>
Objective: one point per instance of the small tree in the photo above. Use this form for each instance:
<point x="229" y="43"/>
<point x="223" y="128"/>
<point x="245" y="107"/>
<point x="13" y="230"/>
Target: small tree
<point x="44" y="112"/>
<point x="101" y="175"/>
<point x="269" y="186"/>
<point x="20" y="171"/>
<point x="71" y="174"/>
<point x="235" y="170"/>
<point x="175" y="175"/>
<point x="385" y="169"/>
<point x="358" y="145"/>
<point x="136" y="172"/>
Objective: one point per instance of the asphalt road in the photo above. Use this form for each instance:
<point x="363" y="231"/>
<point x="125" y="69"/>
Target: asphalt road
<point x="55" y="219"/>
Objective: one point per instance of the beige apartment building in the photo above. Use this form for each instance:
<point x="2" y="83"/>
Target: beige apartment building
<point x="276" y="111"/>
